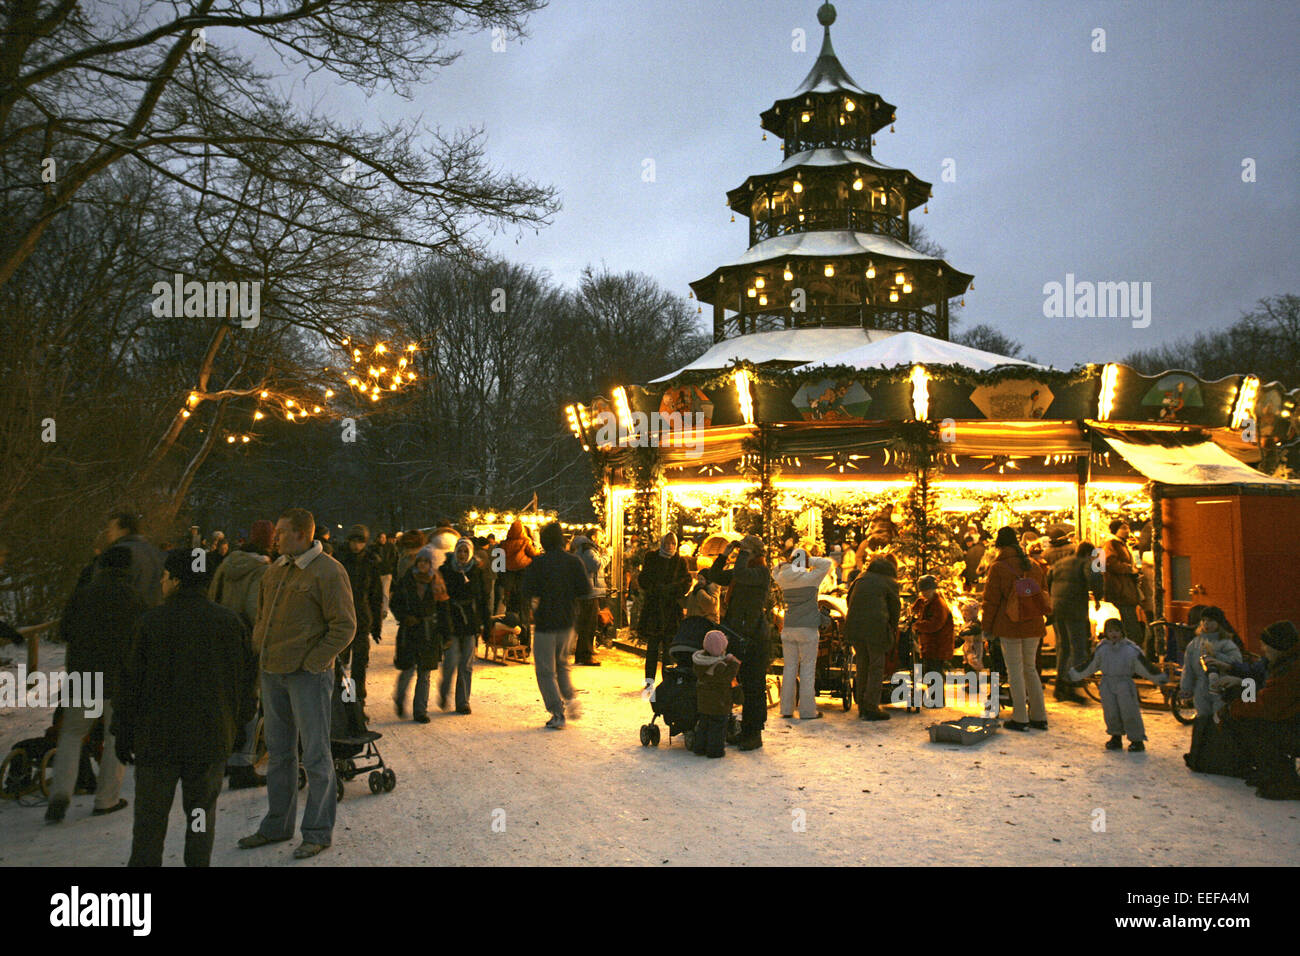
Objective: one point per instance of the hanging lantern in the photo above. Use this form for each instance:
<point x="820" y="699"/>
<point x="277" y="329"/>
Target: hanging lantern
<point x="765" y="137"/>
<point x="798" y="186"/>
<point x="871" y="269"/>
<point x="850" y="106"/>
<point x="733" y="217"/>
<point x="857" y="184"/>
<point x="751" y="292"/>
<point x="806" y="116"/>
<point x="893" y="295"/>
<point x="891" y="127"/>
<point x="927" y="209"/>
<point x="762" y="300"/>
<point x="760" y="282"/>
<point x="829" y="270"/>
<point x="787" y="275"/>
<point x="899" y="278"/>
<point x="907" y="288"/>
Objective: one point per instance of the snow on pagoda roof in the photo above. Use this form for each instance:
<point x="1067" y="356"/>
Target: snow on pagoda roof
<point x="828" y="243"/>
<point x="828" y="74"/>
<point x="913" y="348"/>
<point x="797" y="346"/>
<point x="831" y="156"/>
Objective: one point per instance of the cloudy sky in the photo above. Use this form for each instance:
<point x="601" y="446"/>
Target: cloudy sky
<point x="1122" y="165"/>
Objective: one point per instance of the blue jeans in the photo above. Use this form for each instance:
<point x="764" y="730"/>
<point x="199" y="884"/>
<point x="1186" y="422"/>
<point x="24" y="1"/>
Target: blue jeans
<point x="458" y="661"/>
<point x="298" y="705"/>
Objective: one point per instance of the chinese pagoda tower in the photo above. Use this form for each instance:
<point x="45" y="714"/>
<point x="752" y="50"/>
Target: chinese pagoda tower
<point x="829" y="227"/>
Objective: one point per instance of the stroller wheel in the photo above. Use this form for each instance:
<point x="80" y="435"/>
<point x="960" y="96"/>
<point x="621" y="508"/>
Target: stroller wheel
<point x="376" y="780"/>
<point x="654" y="735"/>
<point x="14" y="775"/>
<point x="390" y="780"/>
<point x="302" y="777"/>
<point x="645" y="735"/>
<point x="338" y="786"/>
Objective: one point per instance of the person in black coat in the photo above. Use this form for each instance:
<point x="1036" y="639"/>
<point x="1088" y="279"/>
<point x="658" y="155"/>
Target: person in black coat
<point x="419" y="641"/>
<point x="363" y="569"/>
<point x="186" y="696"/>
<point x="663" y="580"/>
<point x="97" y="625"/>
<point x="749" y="591"/>
<point x="465" y="617"/>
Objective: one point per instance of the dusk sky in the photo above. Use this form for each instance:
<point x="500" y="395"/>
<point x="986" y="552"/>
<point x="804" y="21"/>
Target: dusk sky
<point x="1123" y="165"/>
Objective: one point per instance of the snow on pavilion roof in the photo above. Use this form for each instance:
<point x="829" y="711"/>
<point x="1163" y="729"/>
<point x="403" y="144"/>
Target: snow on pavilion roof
<point x="831" y="156"/>
<point x="913" y="348"/>
<point x="827" y="243"/>
<point x="828" y="74"/>
<point x="795" y="346"/>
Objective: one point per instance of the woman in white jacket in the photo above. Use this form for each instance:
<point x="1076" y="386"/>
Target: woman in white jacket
<point x="800" y="581"/>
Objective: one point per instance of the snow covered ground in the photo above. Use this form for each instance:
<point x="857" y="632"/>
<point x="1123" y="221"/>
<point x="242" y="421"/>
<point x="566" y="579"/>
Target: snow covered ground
<point x="496" y="788"/>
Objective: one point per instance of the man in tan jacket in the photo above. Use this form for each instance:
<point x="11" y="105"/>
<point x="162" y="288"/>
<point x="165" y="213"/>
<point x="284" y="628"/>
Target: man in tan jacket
<point x="305" y="617"/>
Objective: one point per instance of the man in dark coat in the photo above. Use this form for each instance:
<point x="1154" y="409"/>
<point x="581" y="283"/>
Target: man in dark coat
<point x="871" y="626"/>
<point x="465" y="617"/>
<point x="363" y="568"/>
<point x="98" y="625"/>
<point x="187" y="693"/>
<point x="419" y="635"/>
<point x="146" y="561"/>
<point x="1121" y="579"/>
<point x="553" y="584"/>
<point x="1069" y="582"/>
<point x="750" y="590"/>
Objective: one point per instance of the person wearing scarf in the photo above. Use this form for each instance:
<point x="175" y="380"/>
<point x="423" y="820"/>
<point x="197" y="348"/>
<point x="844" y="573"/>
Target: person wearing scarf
<point x="715" y="669"/>
<point x="465" y="617"/>
<point x="419" y="639"/>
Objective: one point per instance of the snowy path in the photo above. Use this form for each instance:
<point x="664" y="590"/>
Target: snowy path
<point x="868" y="793"/>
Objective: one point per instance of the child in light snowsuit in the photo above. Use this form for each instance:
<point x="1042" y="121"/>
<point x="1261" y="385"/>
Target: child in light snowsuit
<point x="1119" y="659"/>
<point x="714" y="671"/>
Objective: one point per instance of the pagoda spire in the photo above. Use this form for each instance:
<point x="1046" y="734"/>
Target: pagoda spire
<point x="828" y="74"/>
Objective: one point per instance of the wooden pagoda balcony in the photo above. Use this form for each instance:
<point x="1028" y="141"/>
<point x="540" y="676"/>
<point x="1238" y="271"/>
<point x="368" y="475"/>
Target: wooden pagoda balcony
<point x="814" y="220"/>
<point x="928" y="321"/>
<point x="800" y="137"/>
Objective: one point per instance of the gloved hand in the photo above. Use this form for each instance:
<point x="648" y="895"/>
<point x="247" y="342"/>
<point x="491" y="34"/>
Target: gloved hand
<point x="124" y="747"/>
<point x="376" y="638"/>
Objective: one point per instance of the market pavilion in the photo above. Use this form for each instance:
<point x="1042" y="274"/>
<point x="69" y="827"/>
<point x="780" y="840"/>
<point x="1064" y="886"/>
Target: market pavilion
<point x="832" y="397"/>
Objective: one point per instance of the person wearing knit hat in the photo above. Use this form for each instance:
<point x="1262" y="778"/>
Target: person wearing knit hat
<point x="801" y="580"/>
<point x="235" y="586"/>
<point x="1265" y="728"/>
<point x="360" y="532"/>
<point x="933" y="624"/>
<point x="714" y="671"/>
<point x="465" y="617"/>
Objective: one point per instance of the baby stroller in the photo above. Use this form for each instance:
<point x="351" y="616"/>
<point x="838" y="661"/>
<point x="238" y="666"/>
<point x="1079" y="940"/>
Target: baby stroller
<point x="30" y="764"/>
<point x="352" y="746"/>
<point x="675" y="699"/>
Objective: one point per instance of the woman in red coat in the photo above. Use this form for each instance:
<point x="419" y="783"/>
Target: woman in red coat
<point x="1019" y="638"/>
<point x="932" y="621"/>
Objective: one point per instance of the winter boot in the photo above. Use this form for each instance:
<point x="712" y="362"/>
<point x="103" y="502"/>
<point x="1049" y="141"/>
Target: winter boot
<point x="1115" y="743"/>
<point x="245" y="778"/>
<point x="1136" y="746"/>
<point x="57" y="810"/>
<point x="752" y="741"/>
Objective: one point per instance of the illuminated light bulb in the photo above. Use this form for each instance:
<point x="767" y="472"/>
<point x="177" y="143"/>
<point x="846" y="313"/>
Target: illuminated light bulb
<point x="801" y="217"/>
<point x="871" y="271"/>
<point x="850" y="106"/>
<point x="264" y="394"/>
<point x="289" y="416"/>
<point x="185" y="413"/>
<point x="329" y="393"/>
<point x="193" y="399"/>
<point x="401" y="363"/>
<point x="787" y="275"/>
<point x="356" y="355"/>
<point x="381" y="348"/>
<point x="762" y="300"/>
<point x="907" y="287"/>
<point x="806" y="117"/>
<point x="244" y="439"/>
<point x="798" y="186"/>
<point x="893" y="295"/>
<point x="857" y="184"/>
<point x="288" y="403"/>
<point x="411" y="347"/>
<point x="346" y="342"/>
<point x="751" y="292"/>
<point x="410" y="376"/>
<point x="258" y="416"/>
<point x="843" y="119"/>
<point x="760" y="282"/>
<point x="374" y="396"/>
<point x="829" y="270"/>
<point x="382" y="370"/>
<point x="354" y="381"/>
<point x="315" y="410"/>
<point x="230" y="439"/>
<point x="899" y="278"/>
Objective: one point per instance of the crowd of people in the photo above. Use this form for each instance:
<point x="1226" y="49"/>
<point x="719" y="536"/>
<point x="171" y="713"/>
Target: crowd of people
<point x="195" y="640"/>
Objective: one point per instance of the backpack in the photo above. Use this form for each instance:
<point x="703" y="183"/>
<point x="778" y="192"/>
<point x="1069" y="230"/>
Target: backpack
<point x="1027" y="599"/>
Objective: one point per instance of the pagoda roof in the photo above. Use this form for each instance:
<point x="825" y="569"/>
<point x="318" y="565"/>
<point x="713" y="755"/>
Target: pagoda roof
<point x="789" y="346"/>
<point x="833" y="244"/>
<point x="828" y="74"/>
<point x="918" y="190"/>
